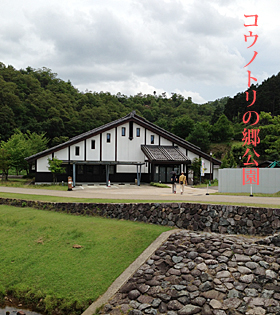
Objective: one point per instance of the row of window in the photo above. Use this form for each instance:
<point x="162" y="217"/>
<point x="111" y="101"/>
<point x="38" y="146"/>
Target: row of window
<point x="137" y="132"/>
<point x="77" y="149"/>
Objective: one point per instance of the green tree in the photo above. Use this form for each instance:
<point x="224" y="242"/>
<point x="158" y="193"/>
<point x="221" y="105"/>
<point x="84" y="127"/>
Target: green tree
<point x="19" y="146"/>
<point x="17" y="149"/>
<point x="182" y="126"/>
<point x="55" y="166"/>
<point x="4" y="163"/>
<point x="228" y="161"/>
<point x="200" y="137"/>
<point x="222" y="130"/>
<point x="196" y="168"/>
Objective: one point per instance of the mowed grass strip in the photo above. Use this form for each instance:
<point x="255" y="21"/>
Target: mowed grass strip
<point x="101" y="200"/>
<point x="37" y="254"/>
<point x="23" y="183"/>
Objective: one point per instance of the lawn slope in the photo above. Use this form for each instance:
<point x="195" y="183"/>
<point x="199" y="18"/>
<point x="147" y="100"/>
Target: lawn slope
<point x="38" y="261"/>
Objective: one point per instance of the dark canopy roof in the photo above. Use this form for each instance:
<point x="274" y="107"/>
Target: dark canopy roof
<point x="164" y="153"/>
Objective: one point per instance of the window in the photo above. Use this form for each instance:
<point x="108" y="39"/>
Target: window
<point x="152" y="139"/>
<point x="92" y="144"/>
<point x="137" y="132"/>
<point x="77" y="151"/>
<point x="123" y="131"/>
<point x="108" y="137"/>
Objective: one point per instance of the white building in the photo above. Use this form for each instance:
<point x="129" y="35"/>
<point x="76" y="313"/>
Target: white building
<point x="123" y="150"/>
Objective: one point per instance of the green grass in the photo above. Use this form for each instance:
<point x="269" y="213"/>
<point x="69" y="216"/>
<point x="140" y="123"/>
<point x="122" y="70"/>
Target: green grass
<point x="38" y="260"/>
<point x="99" y="200"/>
<point x="23" y="183"/>
<point x="159" y="185"/>
<point x="277" y="194"/>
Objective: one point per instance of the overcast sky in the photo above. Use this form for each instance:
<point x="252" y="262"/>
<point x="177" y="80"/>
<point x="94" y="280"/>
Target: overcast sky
<point x="195" y="48"/>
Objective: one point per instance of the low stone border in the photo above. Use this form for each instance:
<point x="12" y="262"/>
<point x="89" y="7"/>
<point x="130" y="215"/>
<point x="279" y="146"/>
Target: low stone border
<point x="191" y="216"/>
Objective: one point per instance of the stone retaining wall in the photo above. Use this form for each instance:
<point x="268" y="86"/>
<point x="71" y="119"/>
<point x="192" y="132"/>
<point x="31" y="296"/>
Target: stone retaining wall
<point x="204" y="274"/>
<point x="203" y="217"/>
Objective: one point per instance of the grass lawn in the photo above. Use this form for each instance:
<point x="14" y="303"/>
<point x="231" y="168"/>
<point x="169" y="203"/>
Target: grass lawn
<point x="38" y="261"/>
<point x="277" y="194"/>
<point x="23" y="183"/>
<point x="99" y="200"/>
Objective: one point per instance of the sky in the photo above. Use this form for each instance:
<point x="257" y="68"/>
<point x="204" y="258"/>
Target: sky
<point x="189" y="47"/>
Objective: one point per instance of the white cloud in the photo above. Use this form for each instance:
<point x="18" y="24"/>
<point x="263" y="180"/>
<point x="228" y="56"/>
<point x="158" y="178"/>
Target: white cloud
<point x="147" y="45"/>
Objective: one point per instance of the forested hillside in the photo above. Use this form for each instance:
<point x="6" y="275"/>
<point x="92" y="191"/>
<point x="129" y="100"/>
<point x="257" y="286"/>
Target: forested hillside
<point x="37" y="101"/>
<point x="267" y="99"/>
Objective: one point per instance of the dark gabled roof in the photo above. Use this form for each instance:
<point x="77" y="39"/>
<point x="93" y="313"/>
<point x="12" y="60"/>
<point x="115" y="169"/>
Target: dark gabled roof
<point x="156" y="153"/>
<point x="130" y="117"/>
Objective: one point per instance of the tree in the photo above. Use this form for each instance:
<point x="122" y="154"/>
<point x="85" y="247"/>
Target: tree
<point x="55" y="166"/>
<point x="182" y="126"/>
<point x="222" y="130"/>
<point x="228" y="161"/>
<point x="17" y="149"/>
<point x="4" y="163"/>
<point x="19" y="146"/>
<point x="200" y="137"/>
<point x="196" y="168"/>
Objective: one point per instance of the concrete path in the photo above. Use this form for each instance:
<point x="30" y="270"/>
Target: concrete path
<point x="146" y="192"/>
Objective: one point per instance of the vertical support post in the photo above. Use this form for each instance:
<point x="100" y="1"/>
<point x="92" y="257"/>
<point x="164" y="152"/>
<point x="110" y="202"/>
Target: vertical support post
<point x="138" y="174"/>
<point x="74" y="175"/>
<point x="107" y="174"/>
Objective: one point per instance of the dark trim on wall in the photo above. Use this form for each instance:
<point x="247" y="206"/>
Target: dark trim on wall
<point x="116" y="147"/>
<point x="101" y="146"/>
<point x="130" y="132"/>
<point x="145" y="136"/>
<point x="52" y="155"/>
<point x="85" y="157"/>
<point x="158" y="140"/>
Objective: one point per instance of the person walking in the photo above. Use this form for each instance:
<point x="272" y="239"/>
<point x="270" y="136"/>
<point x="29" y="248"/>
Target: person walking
<point x="182" y="181"/>
<point x="174" y="181"/>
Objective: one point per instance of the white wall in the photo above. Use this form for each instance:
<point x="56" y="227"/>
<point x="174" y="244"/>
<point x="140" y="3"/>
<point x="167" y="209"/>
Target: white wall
<point x="62" y="154"/>
<point x="164" y="141"/>
<point x="148" y="139"/>
<point x="42" y="163"/>
<point x="192" y="155"/>
<point x="93" y="154"/>
<point x="130" y="150"/>
<point x="231" y="180"/>
<point x="108" y="148"/>
<point x="81" y="155"/>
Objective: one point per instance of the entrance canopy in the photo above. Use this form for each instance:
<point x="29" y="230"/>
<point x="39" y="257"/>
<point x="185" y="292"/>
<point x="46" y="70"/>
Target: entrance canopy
<point x="164" y="154"/>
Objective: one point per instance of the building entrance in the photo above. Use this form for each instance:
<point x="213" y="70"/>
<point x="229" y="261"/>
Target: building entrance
<point x="163" y="173"/>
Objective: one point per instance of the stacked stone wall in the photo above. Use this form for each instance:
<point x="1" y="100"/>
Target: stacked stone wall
<point x="192" y="216"/>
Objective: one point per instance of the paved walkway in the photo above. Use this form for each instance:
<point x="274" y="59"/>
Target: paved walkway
<point x="145" y="192"/>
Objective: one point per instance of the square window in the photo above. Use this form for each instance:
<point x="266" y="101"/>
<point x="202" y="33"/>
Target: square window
<point x="77" y="151"/>
<point x="123" y="131"/>
<point x="137" y="132"/>
<point x="108" y="137"/>
<point x="152" y="139"/>
<point x="92" y="144"/>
